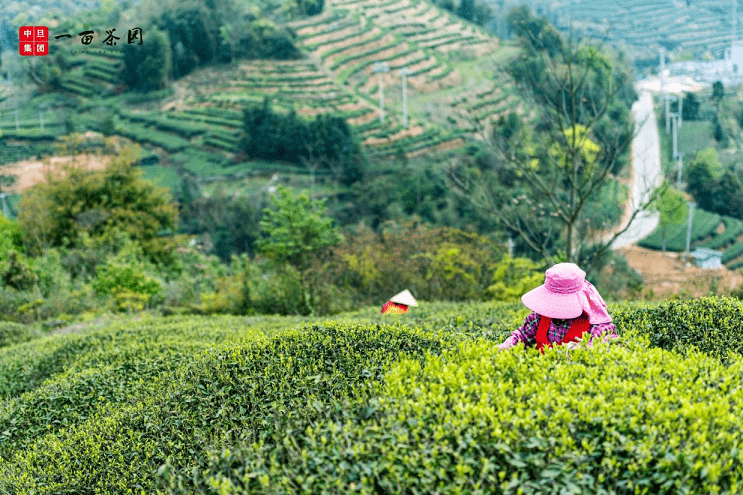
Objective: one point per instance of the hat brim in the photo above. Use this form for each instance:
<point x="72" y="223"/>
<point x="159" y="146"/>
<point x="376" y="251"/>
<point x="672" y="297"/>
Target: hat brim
<point x="546" y="303"/>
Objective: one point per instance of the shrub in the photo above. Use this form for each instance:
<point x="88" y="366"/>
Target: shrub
<point x="14" y="333"/>
<point x="15" y="272"/>
<point x="711" y="324"/>
<point x="459" y="423"/>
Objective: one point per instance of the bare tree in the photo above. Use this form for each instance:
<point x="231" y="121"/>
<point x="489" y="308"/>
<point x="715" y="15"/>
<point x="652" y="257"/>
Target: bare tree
<point x="566" y="159"/>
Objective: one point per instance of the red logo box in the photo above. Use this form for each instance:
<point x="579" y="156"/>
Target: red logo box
<point x="41" y="33"/>
<point x="26" y="33"/>
<point x="33" y="40"/>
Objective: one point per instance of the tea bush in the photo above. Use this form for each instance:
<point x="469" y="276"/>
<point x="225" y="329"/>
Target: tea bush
<point x="477" y="421"/>
<point x="224" y="395"/>
<point x="14" y="333"/>
<point x="420" y="402"/>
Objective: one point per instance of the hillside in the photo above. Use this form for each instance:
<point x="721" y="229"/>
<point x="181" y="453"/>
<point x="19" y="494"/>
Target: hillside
<point x="192" y="127"/>
<point x="694" y="27"/>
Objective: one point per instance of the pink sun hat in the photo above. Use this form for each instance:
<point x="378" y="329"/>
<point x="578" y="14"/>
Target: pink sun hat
<point x="567" y="294"/>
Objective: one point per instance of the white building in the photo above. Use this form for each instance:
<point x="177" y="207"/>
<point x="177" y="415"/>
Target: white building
<point x="707" y="258"/>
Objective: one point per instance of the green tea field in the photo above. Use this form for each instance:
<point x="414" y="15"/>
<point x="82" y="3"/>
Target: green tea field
<point x="363" y="403"/>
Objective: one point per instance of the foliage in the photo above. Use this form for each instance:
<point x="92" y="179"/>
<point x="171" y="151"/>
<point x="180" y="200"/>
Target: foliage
<point x="11" y="236"/>
<point x="671" y="204"/>
<point x="14" y="333"/>
<point x="15" y="272"/>
<point x="146" y="66"/>
<point x="232" y="223"/>
<point x="433" y="263"/>
<point x="279" y="405"/>
<point x="102" y="204"/>
<point x="321" y="142"/>
<point x="690" y="107"/>
<point x="295" y="231"/>
<point x="266" y="382"/>
<point x="513" y="278"/>
<point x="431" y="425"/>
<point x="538" y="30"/>
<point x="713" y="187"/>
<point x="703" y="224"/>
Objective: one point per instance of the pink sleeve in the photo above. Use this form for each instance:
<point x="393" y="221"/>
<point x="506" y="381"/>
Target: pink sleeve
<point x="527" y="333"/>
<point x="607" y="330"/>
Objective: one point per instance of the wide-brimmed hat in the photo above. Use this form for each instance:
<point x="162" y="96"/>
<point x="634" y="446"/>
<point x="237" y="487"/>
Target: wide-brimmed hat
<point x="567" y="294"/>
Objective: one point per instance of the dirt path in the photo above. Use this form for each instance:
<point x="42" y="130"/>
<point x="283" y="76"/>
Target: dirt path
<point x="28" y="173"/>
<point x="666" y="274"/>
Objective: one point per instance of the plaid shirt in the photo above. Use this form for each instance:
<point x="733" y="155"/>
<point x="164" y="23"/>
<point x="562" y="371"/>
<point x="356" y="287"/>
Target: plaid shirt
<point x="557" y="330"/>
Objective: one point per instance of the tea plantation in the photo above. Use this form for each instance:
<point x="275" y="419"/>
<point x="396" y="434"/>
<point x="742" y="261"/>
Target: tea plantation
<point x="364" y="403"/>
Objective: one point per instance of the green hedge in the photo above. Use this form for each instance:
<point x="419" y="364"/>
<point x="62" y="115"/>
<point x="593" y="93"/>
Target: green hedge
<point x="15" y="333"/>
<point x="732" y="252"/>
<point x="139" y="133"/>
<point x="477" y="421"/>
<point x="169" y="420"/>
<point x="733" y="229"/>
<point x="367" y="403"/>
<point x="703" y="224"/>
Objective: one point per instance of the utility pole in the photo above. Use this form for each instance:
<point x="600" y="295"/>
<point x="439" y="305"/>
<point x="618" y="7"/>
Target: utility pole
<point x="678" y="177"/>
<point x="5" y="205"/>
<point x="668" y="99"/>
<point x="681" y="109"/>
<point x="688" y="229"/>
<point x="663" y="86"/>
<point x="380" y="68"/>
<point x="17" y="127"/>
<point x="674" y="120"/>
<point x="404" y="72"/>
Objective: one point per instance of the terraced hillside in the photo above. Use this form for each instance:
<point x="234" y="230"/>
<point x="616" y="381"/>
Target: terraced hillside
<point x="351" y="36"/>
<point x="193" y="126"/>
<point x="696" y="26"/>
<point x="708" y="230"/>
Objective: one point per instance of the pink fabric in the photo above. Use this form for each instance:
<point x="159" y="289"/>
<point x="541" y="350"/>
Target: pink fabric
<point x="567" y="294"/>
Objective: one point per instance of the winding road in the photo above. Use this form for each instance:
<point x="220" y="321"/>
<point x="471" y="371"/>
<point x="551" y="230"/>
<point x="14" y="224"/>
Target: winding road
<point x="646" y="174"/>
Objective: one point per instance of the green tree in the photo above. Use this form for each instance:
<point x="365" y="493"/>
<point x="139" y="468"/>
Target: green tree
<point x="102" y="204"/>
<point x="295" y="231"/>
<point x="671" y="204"/>
<point x="147" y="66"/>
<point x="466" y="9"/>
<point x="703" y="170"/>
<point x="513" y="277"/>
<point x="690" y="109"/>
<point x="718" y="91"/>
<point x="11" y="236"/>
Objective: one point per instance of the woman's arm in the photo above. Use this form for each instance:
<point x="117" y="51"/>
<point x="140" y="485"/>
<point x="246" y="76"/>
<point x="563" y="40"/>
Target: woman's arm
<point x="605" y="331"/>
<point x="526" y="333"/>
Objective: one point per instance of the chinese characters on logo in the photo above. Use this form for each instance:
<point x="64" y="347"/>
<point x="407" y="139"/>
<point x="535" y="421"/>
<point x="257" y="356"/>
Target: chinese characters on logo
<point x="33" y="40"/>
<point x="87" y="36"/>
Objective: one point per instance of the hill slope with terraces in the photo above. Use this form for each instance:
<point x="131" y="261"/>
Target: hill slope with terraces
<point x="694" y="26"/>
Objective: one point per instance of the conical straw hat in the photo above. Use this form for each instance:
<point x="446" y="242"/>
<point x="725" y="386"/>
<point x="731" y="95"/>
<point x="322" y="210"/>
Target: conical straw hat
<point x="404" y="297"/>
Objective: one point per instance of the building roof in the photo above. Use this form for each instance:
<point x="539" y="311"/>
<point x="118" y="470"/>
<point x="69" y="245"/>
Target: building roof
<point x="705" y="253"/>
